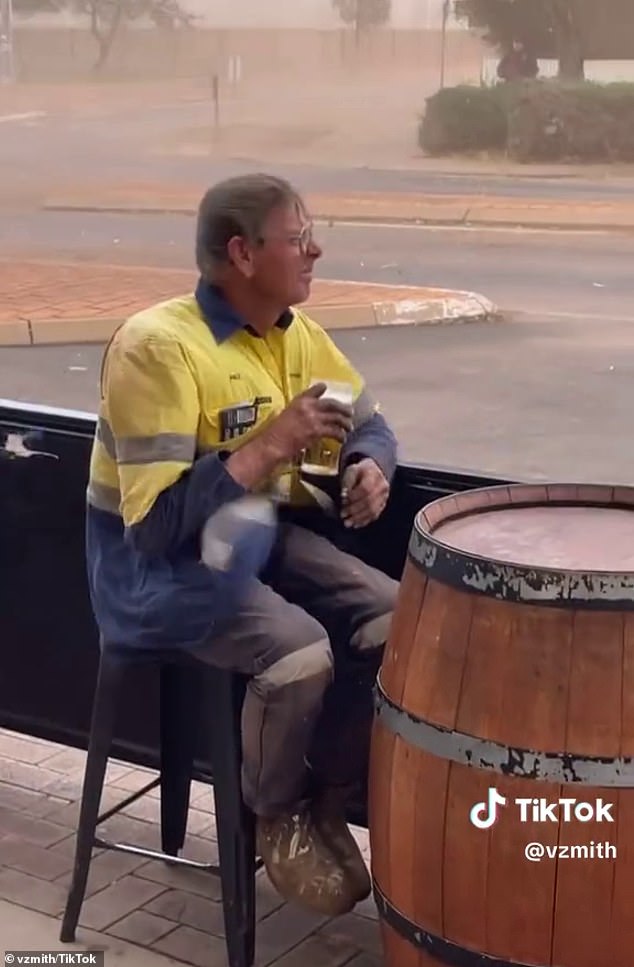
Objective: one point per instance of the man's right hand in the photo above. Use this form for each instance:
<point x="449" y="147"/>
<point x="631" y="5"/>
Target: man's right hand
<point x="306" y="419"/>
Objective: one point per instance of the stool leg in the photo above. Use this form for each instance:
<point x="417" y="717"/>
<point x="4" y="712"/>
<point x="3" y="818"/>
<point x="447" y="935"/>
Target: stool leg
<point x="180" y="705"/>
<point x="235" y="825"/>
<point x="101" y="729"/>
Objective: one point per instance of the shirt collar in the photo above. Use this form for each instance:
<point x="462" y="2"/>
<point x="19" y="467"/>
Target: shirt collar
<point x="222" y="318"/>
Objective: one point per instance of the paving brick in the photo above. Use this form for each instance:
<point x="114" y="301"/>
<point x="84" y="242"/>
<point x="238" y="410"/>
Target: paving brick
<point x="367" y="908"/>
<point x="106" y="868"/>
<point x="66" y="787"/>
<point x="49" y="292"/>
<point x="27" y="801"/>
<point x="31" y="828"/>
<point x="317" y="951"/>
<point x="117" y="901"/>
<point x="65" y="760"/>
<point x="149" y="809"/>
<point x="27" y="775"/>
<point x="29" y="891"/>
<point x="362" y="838"/>
<point x="202" y="797"/>
<point x="201" y="849"/>
<point x="34" y="860"/>
<point x="66" y="848"/>
<point x="193" y="947"/>
<point x="36" y="740"/>
<point x="141" y="928"/>
<point x="362" y="933"/>
<point x="267" y="898"/>
<point x="202" y="884"/>
<point x="133" y="832"/>
<point x="189" y="909"/>
<point x="135" y="779"/>
<point x="23" y="749"/>
<point x="282" y="930"/>
<point x="67" y="813"/>
<point x="201" y="824"/>
<point x="365" y="960"/>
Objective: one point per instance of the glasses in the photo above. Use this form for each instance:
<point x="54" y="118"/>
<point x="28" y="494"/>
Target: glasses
<point x="304" y="240"/>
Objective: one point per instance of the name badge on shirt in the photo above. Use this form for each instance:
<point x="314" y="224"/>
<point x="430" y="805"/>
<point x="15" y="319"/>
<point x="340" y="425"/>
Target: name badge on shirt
<point x="236" y="420"/>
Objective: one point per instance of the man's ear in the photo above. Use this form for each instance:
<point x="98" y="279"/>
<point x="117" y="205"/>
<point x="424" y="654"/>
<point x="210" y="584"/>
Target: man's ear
<point x="241" y="256"/>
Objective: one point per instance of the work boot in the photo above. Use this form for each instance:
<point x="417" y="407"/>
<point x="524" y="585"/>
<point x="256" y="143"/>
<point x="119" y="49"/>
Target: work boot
<point x="300" y="865"/>
<point x="329" y="814"/>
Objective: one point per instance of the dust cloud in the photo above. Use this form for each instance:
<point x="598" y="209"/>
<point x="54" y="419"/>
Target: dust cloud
<point x="224" y="82"/>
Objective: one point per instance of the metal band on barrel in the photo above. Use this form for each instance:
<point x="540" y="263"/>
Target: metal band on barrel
<point x="591" y="591"/>
<point x="468" y="750"/>
<point x="443" y="950"/>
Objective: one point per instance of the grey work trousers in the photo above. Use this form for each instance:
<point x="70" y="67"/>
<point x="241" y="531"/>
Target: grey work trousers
<point x="310" y="637"/>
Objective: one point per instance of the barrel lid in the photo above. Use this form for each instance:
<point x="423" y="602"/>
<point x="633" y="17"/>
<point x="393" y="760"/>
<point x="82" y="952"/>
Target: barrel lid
<point x="543" y="544"/>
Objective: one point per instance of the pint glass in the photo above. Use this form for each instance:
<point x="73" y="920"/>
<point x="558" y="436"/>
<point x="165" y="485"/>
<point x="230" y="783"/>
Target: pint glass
<point x="322" y="457"/>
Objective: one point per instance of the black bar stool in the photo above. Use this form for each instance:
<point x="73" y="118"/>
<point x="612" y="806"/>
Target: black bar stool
<point x="187" y="688"/>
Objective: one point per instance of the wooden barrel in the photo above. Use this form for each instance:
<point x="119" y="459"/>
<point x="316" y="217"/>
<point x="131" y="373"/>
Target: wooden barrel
<point x="510" y="667"/>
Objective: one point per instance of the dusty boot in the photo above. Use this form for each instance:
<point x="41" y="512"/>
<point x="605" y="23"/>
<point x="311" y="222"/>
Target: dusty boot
<point x="301" y="867"/>
<point x="329" y="813"/>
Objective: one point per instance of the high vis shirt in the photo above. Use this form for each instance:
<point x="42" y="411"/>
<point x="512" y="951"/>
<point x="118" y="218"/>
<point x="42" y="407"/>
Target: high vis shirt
<point x="184" y="384"/>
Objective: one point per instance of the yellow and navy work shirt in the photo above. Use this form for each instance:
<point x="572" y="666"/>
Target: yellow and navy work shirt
<point x="183" y="384"/>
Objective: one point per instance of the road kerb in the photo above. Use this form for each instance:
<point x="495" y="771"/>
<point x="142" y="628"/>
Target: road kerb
<point x="375" y="208"/>
<point x="15" y="333"/>
<point x="451" y="307"/>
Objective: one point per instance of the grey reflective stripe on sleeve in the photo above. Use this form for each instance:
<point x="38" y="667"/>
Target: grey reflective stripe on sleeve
<point x="104" y="498"/>
<point x="164" y="447"/>
<point x="364" y="408"/>
<point x="106" y="437"/>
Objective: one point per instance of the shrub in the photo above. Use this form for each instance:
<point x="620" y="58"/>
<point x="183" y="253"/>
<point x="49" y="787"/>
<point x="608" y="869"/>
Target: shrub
<point x="553" y="121"/>
<point x="464" y="119"/>
<point x="533" y="121"/>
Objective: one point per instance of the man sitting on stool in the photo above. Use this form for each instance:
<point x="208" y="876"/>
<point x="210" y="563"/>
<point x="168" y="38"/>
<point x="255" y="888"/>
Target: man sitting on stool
<point x="208" y="398"/>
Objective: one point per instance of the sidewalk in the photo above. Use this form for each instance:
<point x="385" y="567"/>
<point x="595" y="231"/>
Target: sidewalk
<point x="393" y="207"/>
<point x="141" y="912"/>
<point x="62" y="302"/>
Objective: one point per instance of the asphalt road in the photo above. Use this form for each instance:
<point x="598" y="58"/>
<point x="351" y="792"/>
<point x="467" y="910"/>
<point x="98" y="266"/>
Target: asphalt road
<point x="521" y="271"/>
<point x="525" y="399"/>
<point x="130" y="144"/>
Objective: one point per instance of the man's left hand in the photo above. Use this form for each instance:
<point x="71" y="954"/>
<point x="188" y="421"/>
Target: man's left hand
<point x="364" y="493"/>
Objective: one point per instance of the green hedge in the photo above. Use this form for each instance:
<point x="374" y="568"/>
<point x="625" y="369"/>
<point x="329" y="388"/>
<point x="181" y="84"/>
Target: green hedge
<point x="533" y="121"/>
<point x="464" y="119"/>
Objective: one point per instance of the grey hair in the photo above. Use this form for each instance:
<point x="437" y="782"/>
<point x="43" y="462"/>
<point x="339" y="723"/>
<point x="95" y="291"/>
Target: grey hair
<point x="237" y="206"/>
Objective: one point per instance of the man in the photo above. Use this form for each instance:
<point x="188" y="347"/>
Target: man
<point x="518" y="64"/>
<point x="205" y="399"/>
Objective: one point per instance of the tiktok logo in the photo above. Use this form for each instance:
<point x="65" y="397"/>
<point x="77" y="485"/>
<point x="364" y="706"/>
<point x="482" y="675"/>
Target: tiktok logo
<point x="484" y="814"/>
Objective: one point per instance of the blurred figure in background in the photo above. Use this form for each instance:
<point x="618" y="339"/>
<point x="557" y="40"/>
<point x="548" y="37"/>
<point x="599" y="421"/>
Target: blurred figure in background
<point x="518" y="64"/>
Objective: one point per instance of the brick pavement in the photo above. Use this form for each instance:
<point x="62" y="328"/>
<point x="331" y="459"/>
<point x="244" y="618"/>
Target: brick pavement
<point x="42" y="290"/>
<point x="159" y="910"/>
<point x="45" y="301"/>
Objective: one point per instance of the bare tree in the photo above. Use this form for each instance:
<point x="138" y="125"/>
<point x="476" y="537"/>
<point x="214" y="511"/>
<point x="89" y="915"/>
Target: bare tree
<point x="362" y="14"/>
<point x="108" y="17"/>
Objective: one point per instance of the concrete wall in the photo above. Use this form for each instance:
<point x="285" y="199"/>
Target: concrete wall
<point x="313" y="14"/>
<point x="280" y="15"/>
<point x="66" y="54"/>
